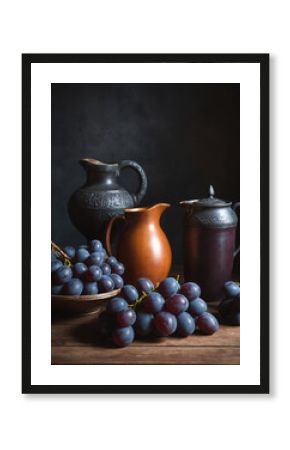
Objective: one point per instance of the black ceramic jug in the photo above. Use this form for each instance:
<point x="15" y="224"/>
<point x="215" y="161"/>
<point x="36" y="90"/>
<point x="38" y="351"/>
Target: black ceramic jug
<point x="101" y="198"/>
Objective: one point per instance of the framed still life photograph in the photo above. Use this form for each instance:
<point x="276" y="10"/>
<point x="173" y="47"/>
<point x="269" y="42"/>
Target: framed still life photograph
<point x="146" y="181"/>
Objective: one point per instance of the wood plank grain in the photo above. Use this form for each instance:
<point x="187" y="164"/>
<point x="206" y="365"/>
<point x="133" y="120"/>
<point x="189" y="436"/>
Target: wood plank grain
<point x="146" y="355"/>
<point x="86" y="335"/>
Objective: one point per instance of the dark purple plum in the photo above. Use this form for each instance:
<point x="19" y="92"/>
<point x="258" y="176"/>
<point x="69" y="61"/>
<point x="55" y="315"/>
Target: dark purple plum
<point x="62" y="275"/>
<point x="106" y="284"/>
<point x="73" y="287"/>
<point x="93" y="273"/>
<point x="95" y="246"/>
<point x="197" y="307"/>
<point x="144" y="285"/>
<point x="70" y="251"/>
<point x="106" y="269"/>
<point x="130" y="293"/>
<point x="90" y="288"/>
<point x="81" y="255"/>
<point x="176" y="304"/>
<point x="168" y="287"/>
<point x="118" y="281"/>
<point x="123" y="337"/>
<point x="144" y="323"/>
<point x="165" y="323"/>
<point x="79" y="269"/>
<point x="185" y="324"/>
<point x="116" y="305"/>
<point x="207" y="323"/>
<point x="190" y="290"/>
<point x="126" y="318"/>
<point x="118" y="268"/>
<point x="153" y="303"/>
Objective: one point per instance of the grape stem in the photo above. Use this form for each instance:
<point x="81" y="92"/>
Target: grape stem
<point x="65" y="257"/>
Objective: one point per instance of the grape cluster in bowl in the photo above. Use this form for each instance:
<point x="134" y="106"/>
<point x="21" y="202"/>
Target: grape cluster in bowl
<point x="89" y="271"/>
<point x="169" y="309"/>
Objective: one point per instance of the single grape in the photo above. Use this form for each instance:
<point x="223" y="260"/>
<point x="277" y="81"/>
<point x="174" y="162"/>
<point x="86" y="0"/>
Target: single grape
<point x="79" y="269"/>
<point x="56" y="264"/>
<point x="105" y="325"/>
<point x="130" y="293"/>
<point x="118" y="281"/>
<point x="144" y="285"/>
<point x="168" y="287"/>
<point x="123" y="337"/>
<point x="126" y="318"/>
<point x="118" y="268"/>
<point x="111" y="260"/>
<point x="153" y="303"/>
<point x="236" y="303"/>
<point x="231" y="289"/>
<point x="56" y="289"/>
<point x="62" y="275"/>
<point x="190" y="290"/>
<point x="90" y="288"/>
<point x="207" y="323"/>
<point x="176" y="304"/>
<point x="95" y="259"/>
<point x="106" y="284"/>
<point x="95" y="245"/>
<point x="116" y="305"/>
<point x="73" y="287"/>
<point x="165" y="323"/>
<point x="197" y="307"/>
<point x="84" y="246"/>
<point x="106" y="269"/>
<point x="233" y="318"/>
<point x="185" y="324"/>
<point x="225" y="307"/>
<point x="93" y="273"/>
<point x="81" y="255"/>
<point x="70" y="251"/>
<point x="144" y="323"/>
<point x="54" y="255"/>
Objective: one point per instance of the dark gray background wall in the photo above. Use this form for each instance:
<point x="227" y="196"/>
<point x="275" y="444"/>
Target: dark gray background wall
<point x="185" y="136"/>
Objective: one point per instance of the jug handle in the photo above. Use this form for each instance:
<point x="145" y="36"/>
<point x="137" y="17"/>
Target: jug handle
<point x="108" y="233"/>
<point x="143" y="179"/>
<point x="237" y="251"/>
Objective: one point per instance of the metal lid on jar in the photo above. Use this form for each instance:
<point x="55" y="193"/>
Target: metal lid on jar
<point x="210" y="202"/>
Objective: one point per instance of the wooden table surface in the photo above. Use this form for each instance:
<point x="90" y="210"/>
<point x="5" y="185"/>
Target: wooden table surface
<point x="74" y="341"/>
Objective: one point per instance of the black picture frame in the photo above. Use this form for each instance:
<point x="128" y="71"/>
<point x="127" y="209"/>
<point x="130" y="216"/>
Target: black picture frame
<point x="27" y="60"/>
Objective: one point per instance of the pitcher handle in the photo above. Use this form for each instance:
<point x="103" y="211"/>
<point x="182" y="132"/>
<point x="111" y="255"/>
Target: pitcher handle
<point x="237" y="251"/>
<point x="108" y="233"/>
<point x="143" y="179"/>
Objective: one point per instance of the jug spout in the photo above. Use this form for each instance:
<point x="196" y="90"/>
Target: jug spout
<point x="154" y="211"/>
<point x="159" y="209"/>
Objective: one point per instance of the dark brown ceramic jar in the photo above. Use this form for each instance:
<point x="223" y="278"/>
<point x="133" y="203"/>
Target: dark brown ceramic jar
<point x="209" y="243"/>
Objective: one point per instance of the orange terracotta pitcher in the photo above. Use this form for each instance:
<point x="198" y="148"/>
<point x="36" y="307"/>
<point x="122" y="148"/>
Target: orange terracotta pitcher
<point x="142" y="245"/>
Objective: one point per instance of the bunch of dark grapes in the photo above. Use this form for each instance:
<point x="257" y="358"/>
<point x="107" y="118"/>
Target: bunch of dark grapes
<point x="169" y="309"/>
<point x="91" y="271"/>
<point x="229" y="308"/>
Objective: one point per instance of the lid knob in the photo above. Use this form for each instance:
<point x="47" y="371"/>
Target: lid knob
<point x="211" y="191"/>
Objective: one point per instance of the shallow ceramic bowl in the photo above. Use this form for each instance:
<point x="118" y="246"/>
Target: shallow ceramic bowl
<point x="81" y="304"/>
